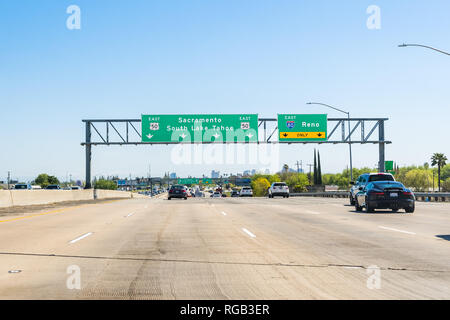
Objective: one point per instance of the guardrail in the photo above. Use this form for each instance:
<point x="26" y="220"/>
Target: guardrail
<point x="326" y="194"/>
<point x="432" y="196"/>
<point x="420" y="196"/>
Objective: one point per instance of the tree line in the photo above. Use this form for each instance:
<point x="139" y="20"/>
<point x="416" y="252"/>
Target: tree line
<point x="428" y="177"/>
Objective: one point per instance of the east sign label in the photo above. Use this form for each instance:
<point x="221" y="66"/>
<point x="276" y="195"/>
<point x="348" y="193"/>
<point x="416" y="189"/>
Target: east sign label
<point x="302" y="127"/>
<point x="190" y="128"/>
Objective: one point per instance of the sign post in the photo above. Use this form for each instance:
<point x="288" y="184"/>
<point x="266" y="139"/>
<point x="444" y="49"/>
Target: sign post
<point x="194" y="128"/>
<point x="302" y="127"/>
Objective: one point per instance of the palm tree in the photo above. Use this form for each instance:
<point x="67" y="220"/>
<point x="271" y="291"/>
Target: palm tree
<point x="439" y="159"/>
<point x="285" y="168"/>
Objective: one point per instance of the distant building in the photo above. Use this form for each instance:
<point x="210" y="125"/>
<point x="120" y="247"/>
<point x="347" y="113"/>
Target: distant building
<point x="173" y="175"/>
<point x="215" y="174"/>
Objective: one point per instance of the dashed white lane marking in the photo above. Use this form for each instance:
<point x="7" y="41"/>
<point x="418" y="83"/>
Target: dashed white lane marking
<point x="311" y="212"/>
<point x="392" y="229"/>
<point x="224" y="213"/>
<point x="249" y="233"/>
<point x="129" y="215"/>
<point x="81" y="237"/>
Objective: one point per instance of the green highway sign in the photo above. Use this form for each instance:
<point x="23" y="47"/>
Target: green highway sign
<point x="200" y="128"/>
<point x="302" y="127"/>
<point x="206" y="181"/>
<point x="188" y="181"/>
<point x="389" y="165"/>
<point x="199" y="181"/>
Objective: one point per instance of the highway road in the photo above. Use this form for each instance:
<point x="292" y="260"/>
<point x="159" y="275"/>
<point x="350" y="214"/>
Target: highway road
<point x="229" y="248"/>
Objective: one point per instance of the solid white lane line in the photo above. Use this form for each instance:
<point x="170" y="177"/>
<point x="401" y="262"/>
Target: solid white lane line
<point x="81" y="237"/>
<point x="129" y="215"/>
<point x="224" y="213"/>
<point x="249" y="233"/>
<point x="311" y="212"/>
<point x="392" y="229"/>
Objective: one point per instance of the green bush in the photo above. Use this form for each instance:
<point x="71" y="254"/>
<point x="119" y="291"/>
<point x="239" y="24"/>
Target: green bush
<point x="44" y="180"/>
<point x="297" y="182"/>
<point x="418" y="179"/>
<point x="105" y="185"/>
<point x="445" y="172"/>
<point x="446" y="185"/>
<point x="260" y="187"/>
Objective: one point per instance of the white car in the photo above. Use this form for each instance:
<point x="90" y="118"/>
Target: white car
<point x="279" y="189"/>
<point x="246" y="192"/>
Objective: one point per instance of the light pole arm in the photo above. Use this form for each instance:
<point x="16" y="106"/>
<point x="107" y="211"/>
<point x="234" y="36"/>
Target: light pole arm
<point x="349" y="132"/>
<point x="326" y="105"/>
<point x="423" y="46"/>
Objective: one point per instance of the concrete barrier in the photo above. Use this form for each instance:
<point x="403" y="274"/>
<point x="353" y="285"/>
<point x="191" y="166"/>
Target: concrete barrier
<point x="9" y="198"/>
<point x="108" y="194"/>
<point x="5" y="198"/>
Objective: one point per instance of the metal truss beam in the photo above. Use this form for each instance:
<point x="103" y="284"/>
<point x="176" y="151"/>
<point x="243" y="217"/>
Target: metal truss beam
<point x="131" y="135"/>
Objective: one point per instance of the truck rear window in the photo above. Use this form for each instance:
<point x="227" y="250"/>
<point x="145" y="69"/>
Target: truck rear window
<point x="381" y="177"/>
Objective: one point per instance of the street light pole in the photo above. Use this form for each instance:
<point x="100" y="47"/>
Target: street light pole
<point x="423" y="46"/>
<point x="349" y="132"/>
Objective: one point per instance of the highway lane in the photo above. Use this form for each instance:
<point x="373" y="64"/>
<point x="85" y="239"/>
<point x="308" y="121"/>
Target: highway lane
<point x="232" y="248"/>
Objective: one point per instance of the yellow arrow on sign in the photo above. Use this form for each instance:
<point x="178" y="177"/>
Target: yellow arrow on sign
<point x="303" y="135"/>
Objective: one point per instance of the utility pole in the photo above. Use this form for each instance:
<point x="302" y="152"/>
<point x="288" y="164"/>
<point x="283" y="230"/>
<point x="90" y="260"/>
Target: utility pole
<point x="9" y="178"/>
<point x="310" y="165"/>
<point x="299" y="164"/>
<point x="150" y="177"/>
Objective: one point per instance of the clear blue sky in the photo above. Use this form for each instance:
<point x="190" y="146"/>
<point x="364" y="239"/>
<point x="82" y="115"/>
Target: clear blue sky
<point x="233" y="56"/>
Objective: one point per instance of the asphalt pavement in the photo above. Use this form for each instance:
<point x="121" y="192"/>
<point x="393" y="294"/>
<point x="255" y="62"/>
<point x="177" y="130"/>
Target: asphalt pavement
<point x="225" y="248"/>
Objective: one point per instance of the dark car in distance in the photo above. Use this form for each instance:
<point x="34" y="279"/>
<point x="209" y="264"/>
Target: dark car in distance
<point x="178" y="191"/>
<point x="22" y="186"/>
<point x="385" y="195"/>
<point x="235" y="193"/>
<point x="53" y="187"/>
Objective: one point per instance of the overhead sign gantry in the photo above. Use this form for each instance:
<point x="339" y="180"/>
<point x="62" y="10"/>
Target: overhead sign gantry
<point x="233" y="128"/>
